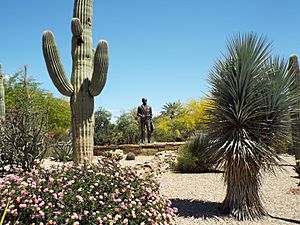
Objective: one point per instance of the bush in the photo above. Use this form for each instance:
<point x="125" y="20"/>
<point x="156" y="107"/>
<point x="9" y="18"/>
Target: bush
<point x="192" y="157"/>
<point x="62" y="151"/>
<point x="130" y="156"/>
<point x="61" y="147"/>
<point x="116" y="154"/>
<point x="23" y="140"/>
<point x="105" y="193"/>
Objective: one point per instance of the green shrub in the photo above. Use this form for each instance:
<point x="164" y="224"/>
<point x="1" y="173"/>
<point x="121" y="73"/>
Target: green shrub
<point x="192" y="156"/>
<point x="62" y="151"/>
<point x="23" y="140"/>
<point x="130" y="156"/>
<point x="103" y="193"/>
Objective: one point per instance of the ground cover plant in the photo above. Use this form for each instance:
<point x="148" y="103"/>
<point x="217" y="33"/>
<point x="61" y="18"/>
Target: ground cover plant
<point x="253" y="96"/>
<point x="192" y="157"/>
<point x="103" y="193"/>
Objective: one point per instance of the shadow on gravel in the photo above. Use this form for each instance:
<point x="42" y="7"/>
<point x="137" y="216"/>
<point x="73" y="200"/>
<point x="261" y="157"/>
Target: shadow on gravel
<point x="197" y="208"/>
<point x="285" y="219"/>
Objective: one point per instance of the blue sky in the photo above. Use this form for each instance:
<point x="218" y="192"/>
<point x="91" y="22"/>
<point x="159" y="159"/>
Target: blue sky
<point x="159" y="49"/>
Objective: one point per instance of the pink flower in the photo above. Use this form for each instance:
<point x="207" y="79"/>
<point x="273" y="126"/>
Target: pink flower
<point x="41" y="204"/>
<point x="74" y="216"/>
<point x="122" y="205"/>
<point x="41" y="214"/>
<point x="22" y="206"/>
<point x="80" y="199"/>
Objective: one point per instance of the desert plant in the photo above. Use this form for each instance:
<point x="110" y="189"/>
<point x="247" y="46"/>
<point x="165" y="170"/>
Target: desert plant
<point x="252" y="97"/>
<point x="88" y="76"/>
<point x="62" y="151"/>
<point x="103" y="193"/>
<point x="23" y="140"/>
<point x="2" y="97"/>
<point x="116" y="154"/>
<point x="192" y="157"/>
<point x="294" y="66"/>
<point x="130" y="156"/>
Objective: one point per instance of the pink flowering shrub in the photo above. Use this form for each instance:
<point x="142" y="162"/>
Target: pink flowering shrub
<point x="105" y="193"/>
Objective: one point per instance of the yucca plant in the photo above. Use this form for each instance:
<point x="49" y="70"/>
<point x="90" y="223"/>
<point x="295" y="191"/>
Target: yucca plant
<point x="252" y="97"/>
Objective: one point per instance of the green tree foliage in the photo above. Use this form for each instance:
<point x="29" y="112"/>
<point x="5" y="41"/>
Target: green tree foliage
<point x="179" y="121"/>
<point x="172" y="109"/>
<point x="127" y="126"/>
<point x="252" y="97"/>
<point x="23" y="94"/>
<point x="104" y="129"/>
<point x="59" y="115"/>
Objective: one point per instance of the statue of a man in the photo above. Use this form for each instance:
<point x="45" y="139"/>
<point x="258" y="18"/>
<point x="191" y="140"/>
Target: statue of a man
<point x="145" y="114"/>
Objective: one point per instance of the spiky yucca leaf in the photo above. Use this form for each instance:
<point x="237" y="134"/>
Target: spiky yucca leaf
<point x="251" y="98"/>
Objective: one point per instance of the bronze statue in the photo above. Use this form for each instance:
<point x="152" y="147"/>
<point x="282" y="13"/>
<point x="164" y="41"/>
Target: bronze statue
<point x="145" y="113"/>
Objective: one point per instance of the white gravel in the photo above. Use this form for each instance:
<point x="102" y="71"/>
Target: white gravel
<point x="198" y="196"/>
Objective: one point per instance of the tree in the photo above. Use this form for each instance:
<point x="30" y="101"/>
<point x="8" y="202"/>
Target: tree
<point x="127" y="126"/>
<point x="252" y="96"/>
<point x="24" y="135"/>
<point x="172" y="109"/>
<point x="23" y="93"/>
<point x="178" y="122"/>
<point x="59" y="114"/>
<point x="104" y="129"/>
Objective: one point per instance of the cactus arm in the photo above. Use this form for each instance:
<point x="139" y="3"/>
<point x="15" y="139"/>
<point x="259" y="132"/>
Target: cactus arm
<point x="100" y="69"/>
<point x="76" y="27"/>
<point x="54" y="65"/>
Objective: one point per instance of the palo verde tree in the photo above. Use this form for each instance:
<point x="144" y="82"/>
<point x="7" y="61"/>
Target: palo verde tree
<point x="252" y="98"/>
<point x="88" y="77"/>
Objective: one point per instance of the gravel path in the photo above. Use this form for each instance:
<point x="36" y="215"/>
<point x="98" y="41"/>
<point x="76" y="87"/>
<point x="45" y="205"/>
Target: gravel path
<point x="198" y="196"/>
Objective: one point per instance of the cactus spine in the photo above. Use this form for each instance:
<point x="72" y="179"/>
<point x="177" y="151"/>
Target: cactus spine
<point x="89" y="72"/>
<point x="294" y="66"/>
<point x="2" y="96"/>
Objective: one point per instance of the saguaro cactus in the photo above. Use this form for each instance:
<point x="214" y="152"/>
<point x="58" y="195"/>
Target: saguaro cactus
<point x="2" y="96"/>
<point x="294" y="65"/>
<point x="89" y="72"/>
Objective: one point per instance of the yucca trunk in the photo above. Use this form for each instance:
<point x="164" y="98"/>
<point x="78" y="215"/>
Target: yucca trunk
<point x="243" y="191"/>
<point x="88" y="77"/>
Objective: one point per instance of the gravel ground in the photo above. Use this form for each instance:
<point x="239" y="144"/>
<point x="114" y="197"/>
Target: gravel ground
<point x="198" y="197"/>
